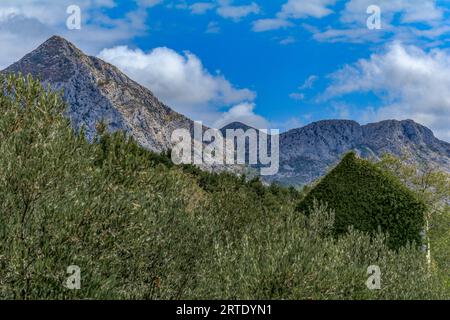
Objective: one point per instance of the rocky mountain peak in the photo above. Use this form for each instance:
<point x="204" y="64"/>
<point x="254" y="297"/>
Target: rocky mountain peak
<point x="236" y="126"/>
<point x="56" y="60"/>
<point x="321" y="140"/>
<point x="306" y="153"/>
<point x="407" y="130"/>
<point x="400" y="137"/>
<point x="97" y="91"/>
<point x="59" y="46"/>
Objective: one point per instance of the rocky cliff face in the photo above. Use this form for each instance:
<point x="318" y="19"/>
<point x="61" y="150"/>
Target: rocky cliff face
<point x="97" y="91"/>
<point x="308" y="152"/>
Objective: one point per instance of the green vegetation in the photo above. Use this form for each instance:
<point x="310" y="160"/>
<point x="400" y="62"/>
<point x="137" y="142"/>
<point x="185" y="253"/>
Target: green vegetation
<point x="140" y="227"/>
<point x="439" y="238"/>
<point x="370" y="200"/>
<point x="432" y="186"/>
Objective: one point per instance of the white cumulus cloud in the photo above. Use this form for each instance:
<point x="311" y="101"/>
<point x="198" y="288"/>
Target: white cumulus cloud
<point x="235" y="12"/>
<point x="179" y="80"/>
<point x="294" y="9"/>
<point x="27" y="23"/>
<point x="409" y="11"/>
<point x="201" y="7"/>
<point x="409" y="21"/>
<point x="262" y="25"/>
<point x="303" y="9"/>
<point x="411" y="83"/>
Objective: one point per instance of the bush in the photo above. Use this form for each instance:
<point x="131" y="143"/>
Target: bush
<point x="370" y="200"/>
<point x="141" y="228"/>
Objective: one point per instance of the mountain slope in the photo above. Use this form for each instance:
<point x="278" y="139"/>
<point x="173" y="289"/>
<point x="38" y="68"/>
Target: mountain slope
<point x="308" y="152"/>
<point x="96" y="90"/>
<point x="236" y="126"/>
<point x="144" y="229"/>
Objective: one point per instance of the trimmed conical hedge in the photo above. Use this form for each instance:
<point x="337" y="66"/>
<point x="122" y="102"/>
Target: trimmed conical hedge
<point x="369" y="199"/>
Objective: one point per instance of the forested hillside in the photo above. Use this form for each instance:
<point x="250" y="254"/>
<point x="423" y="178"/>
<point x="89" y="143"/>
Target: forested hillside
<point x="139" y="227"/>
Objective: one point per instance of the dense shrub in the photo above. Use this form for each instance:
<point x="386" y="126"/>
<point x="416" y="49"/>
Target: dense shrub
<point x="140" y="227"/>
<point x="432" y="185"/>
<point x="370" y="200"/>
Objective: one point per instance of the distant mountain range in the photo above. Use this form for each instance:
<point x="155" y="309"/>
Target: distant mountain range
<point x="308" y="152"/>
<point x="95" y="91"/>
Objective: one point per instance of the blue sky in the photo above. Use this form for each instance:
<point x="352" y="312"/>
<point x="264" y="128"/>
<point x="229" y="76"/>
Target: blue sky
<point x="278" y="64"/>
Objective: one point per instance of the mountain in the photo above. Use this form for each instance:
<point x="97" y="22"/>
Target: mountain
<point x="245" y="129"/>
<point x="307" y="153"/>
<point x="236" y="126"/>
<point x="95" y="90"/>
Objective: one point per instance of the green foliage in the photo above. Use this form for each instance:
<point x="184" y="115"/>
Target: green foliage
<point x="432" y="186"/>
<point x="370" y="200"/>
<point x="439" y="235"/>
<point x="141" y="228"/>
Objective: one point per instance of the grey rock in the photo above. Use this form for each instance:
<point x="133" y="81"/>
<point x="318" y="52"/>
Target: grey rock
<point x="307" y="153"/>
<point x="97" y="91"/>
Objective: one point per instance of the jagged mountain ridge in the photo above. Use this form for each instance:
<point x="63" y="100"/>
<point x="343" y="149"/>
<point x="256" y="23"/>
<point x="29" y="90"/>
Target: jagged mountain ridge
<point x="307" y="153"/>
<point x="96" y="91"/>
